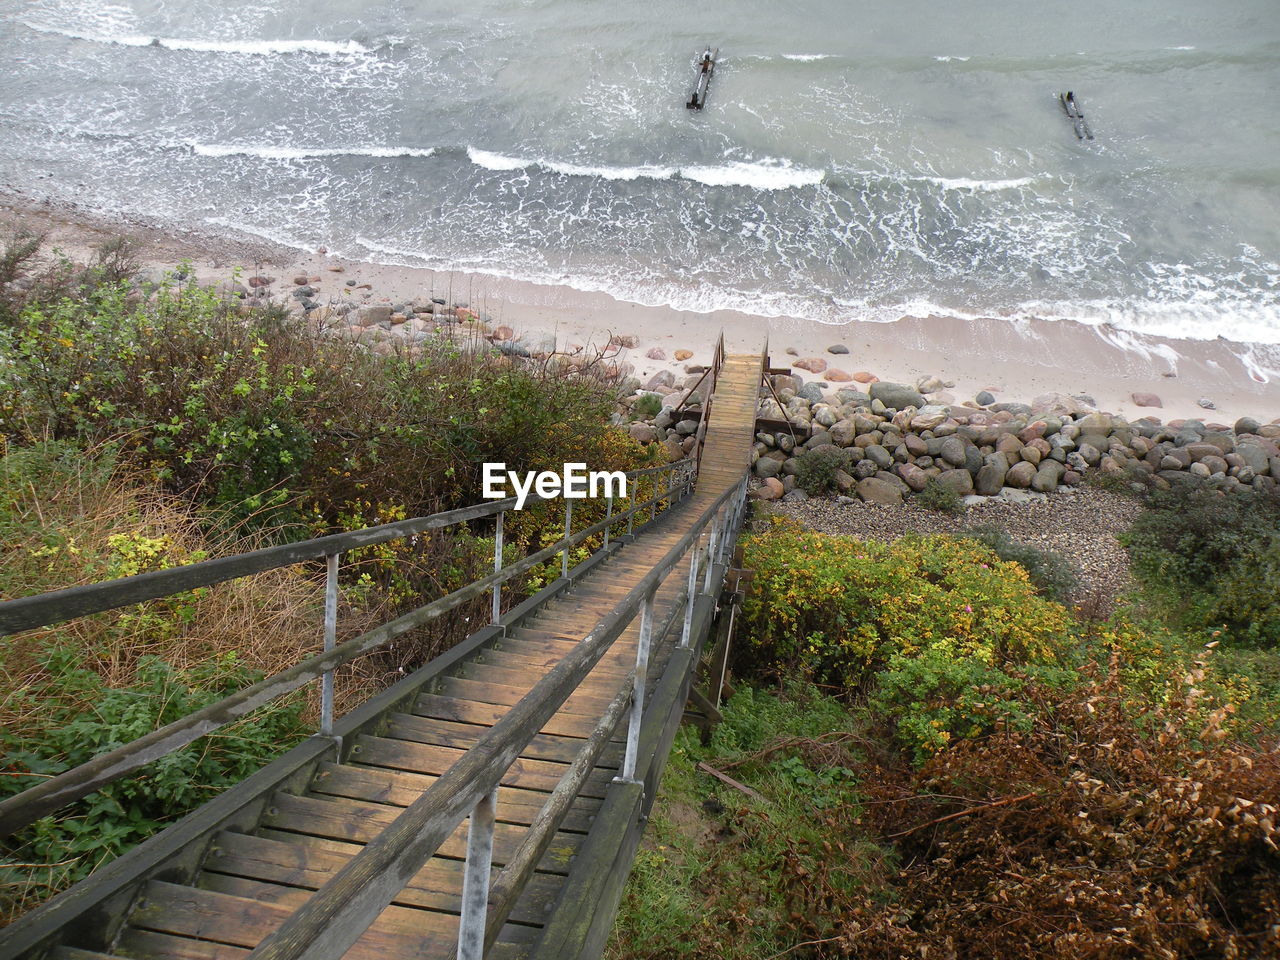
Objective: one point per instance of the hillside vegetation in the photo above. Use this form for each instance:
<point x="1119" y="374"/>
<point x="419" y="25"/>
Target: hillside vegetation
<point x="941" y="760"/>
<point x="147" y="425"/>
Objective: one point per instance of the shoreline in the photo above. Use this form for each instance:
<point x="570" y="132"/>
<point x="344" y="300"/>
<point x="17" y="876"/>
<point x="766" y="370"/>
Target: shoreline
<point x="1014" y="360"/>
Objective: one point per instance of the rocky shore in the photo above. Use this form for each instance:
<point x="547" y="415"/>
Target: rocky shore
<point x="893" y="440"/>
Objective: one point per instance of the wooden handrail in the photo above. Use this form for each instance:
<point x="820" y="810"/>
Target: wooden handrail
<point x="58" y="606"/>
<point x="44" y="798"/>
<point x="338" y="914"/>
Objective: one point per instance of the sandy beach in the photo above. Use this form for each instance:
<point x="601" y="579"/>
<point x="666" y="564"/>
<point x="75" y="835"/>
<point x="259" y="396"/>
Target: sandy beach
<point x="1015" y="361"/>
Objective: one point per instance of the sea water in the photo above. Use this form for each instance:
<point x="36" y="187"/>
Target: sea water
<point x="855" y="159"/>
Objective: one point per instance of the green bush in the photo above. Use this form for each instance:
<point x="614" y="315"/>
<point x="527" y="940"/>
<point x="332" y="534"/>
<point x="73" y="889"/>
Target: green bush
<point x="940" y="497"/>
<point x="1209" y="559"/>
<point x="838" y="609"/>
<point x="262" y="417"/>
<point x="1051" y="572"/>
<point x="816" y="470"/>
<point x="58" y="733"/>
<point x="647" y="407"/>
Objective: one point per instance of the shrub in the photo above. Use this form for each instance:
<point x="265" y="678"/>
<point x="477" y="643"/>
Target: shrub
<point x="1080" y="833"/>
<point x="1209" y="559"/>
<point x="940" y="497"/>
<point x="72" y="715"/>
<point x="816" y="470"/>
<point x="839" y="609"/>
<point x="264" y="417"/>
<point x="648" y="406"/>
<point x="1051" y="572"/>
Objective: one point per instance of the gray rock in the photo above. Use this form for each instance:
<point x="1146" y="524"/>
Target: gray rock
<point x="1207" y="404"/>
<point x="878" y="455"/>
<point x="1047" y="477"/>
<point x="1247" y="425"/>
<point x="990" y="478"/>
<point x="984" y="399"/>
<point x="661" y="379"/>
<point x="961" y="481"/>
<point x="795" y="496"/>
<point x="371" y="316"/>
<point x="642" y="432"/>
<point x="874" y="490"/>
<point x="843" y="433"/>
<point x="865" y="468"/>
<point x="837" y="348"/>
<point x="953" y="451"/>
<point x="1254" y="457"/>
<point x="811" y="392"/>
<point x="896" y="395"/>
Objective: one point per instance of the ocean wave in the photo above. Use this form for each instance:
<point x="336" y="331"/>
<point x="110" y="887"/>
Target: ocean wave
<point x="759" y="175"/>
<point x="807" y="57"/>
<point x="257" y="48"/>
<point x="949" y="59"/>
<point x="985" y="186"/>
<point x="268" y="152"/>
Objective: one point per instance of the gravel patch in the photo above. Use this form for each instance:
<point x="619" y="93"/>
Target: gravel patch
<point x="1081" y="524"/>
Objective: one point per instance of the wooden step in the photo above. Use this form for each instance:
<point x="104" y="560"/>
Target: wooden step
<point x="426" y="758"/>
<point x="399" y="789"/>
<point x="287" y="873"/>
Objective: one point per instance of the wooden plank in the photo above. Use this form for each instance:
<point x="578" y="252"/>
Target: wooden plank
<point x="591" y="705"/>
<point x="556" y="861"/>
<point x="398" y="788"/>
<point x="446" y="733"/>
<point x="241" y="922"/>
<point x="563" y="724"/>
<point x="149" y="945"/>
<point x="524" y="678"/>
<point x="426" y="758"/>
<point x="284" y="869"/>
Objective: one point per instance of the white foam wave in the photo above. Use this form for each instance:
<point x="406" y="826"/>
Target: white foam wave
<point x="807" y="57"/>
<point x="1179" y="48"/>
<point x="963" y="183"/>
<point x="949" y="59"/>
<point x="304" y="153"/>
<point x="759" y="175"/>
<point x="257" y="48"/>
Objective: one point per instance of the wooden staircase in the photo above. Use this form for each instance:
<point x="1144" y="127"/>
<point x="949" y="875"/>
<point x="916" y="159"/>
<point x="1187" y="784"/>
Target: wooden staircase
<point x="252" y="875"/>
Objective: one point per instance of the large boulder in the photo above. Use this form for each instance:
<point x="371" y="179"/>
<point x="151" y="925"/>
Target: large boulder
<point x="875" y="490"/>
<point x="961" y="481"/>
<point x="990" y="478"/>
<point x="912" y="476"/>
<point x="1020" y="475"/>
<point x="952" y="451"/>
<point x="896" y="396"/>
<point x="1059" y="404"/>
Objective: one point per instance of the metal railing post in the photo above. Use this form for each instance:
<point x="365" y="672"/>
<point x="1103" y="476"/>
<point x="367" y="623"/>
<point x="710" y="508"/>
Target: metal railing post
<point x="608" y="517"/>
<point x="693" y="594"/>
<point x="713" y="550"/>
<point x="568" y="529"/>
<point x="637" y="692"/>
<point x="653" y="506"/>
<point x="330" y="640"/>
<point x="497" y="568"/>
<point x="475" y="878"/>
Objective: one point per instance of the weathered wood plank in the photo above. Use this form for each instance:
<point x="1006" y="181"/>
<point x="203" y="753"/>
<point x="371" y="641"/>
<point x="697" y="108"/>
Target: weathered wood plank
<point x="588" y="704"/>
<point x="446" y="733"/>
<point x="287" y="871"/>
<point x="426" y="758"/>
<point x="563" y="724"/>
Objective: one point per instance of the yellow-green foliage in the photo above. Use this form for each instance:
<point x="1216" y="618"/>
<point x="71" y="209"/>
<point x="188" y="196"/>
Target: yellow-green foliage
<point x="840" y="608"/>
